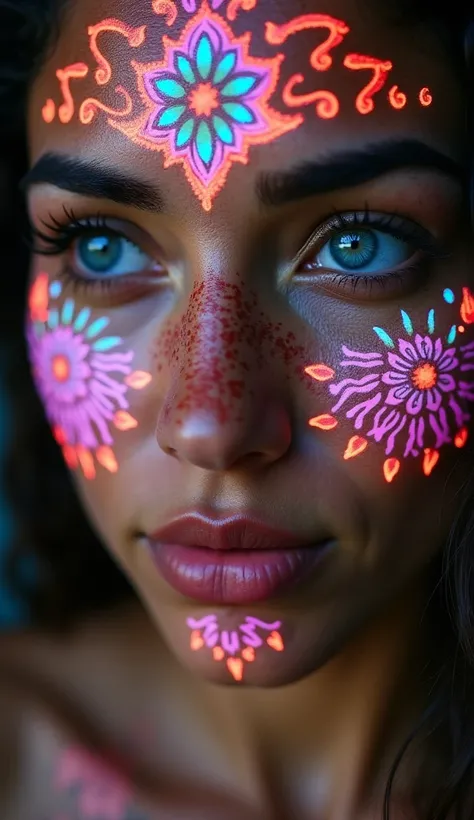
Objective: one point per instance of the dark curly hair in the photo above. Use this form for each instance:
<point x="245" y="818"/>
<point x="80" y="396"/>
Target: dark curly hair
<point x="73" y="574"/>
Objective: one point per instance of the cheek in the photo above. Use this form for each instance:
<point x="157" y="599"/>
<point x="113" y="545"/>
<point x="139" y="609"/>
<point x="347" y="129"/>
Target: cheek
<point x="410" y="393"/>
<point x="85" y="376"/>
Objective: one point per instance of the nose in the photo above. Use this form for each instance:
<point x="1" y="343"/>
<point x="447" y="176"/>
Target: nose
<point x="224" y="405"/>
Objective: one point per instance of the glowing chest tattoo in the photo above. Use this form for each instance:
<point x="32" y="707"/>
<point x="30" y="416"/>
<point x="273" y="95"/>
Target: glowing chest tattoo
<point x="413" y="395"/>
<point x="210" y="98"/>
<point x="83" y="376"/>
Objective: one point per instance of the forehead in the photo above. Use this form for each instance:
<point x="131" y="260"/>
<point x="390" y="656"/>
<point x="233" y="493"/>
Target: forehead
<point x="219" y="90"/>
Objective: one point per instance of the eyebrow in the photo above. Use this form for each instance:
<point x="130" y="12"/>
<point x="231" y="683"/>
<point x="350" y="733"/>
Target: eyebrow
<point x="92" y="179"/>
<point x="347" y="169"/>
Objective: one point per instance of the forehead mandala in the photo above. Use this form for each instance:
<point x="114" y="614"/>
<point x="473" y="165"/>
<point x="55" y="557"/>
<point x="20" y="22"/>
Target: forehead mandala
<point x="413" y="396"/>
<point x="83" y="377"/>
<point x="207" y="103"/>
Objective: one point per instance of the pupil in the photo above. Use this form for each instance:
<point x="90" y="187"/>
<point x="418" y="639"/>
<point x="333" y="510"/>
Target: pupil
<point x="100" y="253"/>
<point x="355" y="249"/>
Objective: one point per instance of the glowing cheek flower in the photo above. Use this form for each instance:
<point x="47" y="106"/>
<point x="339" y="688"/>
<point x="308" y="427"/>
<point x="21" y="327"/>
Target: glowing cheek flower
<point x="83" y="379"/>
<point x="420" y="374"/>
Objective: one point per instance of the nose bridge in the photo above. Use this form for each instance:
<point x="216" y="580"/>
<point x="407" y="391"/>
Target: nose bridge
<point x="220" y="389"/>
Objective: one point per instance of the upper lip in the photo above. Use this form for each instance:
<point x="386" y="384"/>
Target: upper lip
<point x="234" y="532"/>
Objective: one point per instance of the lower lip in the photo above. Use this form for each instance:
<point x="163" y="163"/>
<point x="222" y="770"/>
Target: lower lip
<point x="234" y="577"/>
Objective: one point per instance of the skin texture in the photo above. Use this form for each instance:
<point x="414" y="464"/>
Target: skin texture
<point x="225" y="321"/>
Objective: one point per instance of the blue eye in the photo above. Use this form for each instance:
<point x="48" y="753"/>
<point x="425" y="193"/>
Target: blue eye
<point x="362" y="250"/>
<point x="102" y="255"/>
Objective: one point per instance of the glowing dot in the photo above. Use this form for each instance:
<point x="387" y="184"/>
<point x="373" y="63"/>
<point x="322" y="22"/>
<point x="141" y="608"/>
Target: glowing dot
<point x="106" y="457"/>
<point x="218" y="653"/>
<point x="384" y="337"/>
<point x="461" y="438"/>
<point x="248" y="654"/>
<point x="431" y="321"/>
<point x="425" y="376"/>
<point x="390" y="469"/>
<point x="59" y="436"/>
<point x="275" y="641"/>
<point x="430" y="461"/>
<point x="448" y="296"/>
<point x="324" y="422"/>
<point x="61" y="368"/>
<point x="320" y="372"/>
<point x="196" y="642"/>
<point x="355" y="447"/>
<point x="138" y="380"/>
<point x="407" y="323"/>
<point x="55" y="290"/>
<point x="236" y="668"/>
<point x="461" y="329"/>
<point x="124" y="421"/>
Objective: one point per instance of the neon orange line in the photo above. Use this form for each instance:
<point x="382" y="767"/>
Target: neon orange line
<point x="381" y="69"/>
<point x="135" y="37"/>
<point x="77" y="71"/>
<point x="320" y="58"/>
<point x="91" y="106"/>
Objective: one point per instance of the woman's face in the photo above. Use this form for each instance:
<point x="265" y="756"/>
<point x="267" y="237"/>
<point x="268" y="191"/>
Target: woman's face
<point x="250" y="320"/>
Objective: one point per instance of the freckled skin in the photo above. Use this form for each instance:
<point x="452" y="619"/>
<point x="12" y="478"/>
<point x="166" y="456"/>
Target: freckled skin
<point x="210" y="347"/>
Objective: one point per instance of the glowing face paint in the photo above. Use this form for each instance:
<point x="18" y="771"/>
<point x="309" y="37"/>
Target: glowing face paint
<point x="207" y="101"/>
<point x="82" y="376"/>
<point x="413" y="395"/>
<point x="236" y="647"/>
<point x="100" y="787"/>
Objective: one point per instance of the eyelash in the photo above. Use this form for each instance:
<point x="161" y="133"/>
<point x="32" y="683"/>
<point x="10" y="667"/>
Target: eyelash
<point x="61" y="236"/>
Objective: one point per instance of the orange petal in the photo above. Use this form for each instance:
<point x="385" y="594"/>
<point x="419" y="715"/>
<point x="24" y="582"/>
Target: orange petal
<point x="461" y="438"/>
<point x="391" y="468"/>
<point x="275" y="641"/>
<point x="320" y="372"/>
<point x="70" y="457"/>
<point x="248" y="654"/>
<point x="467" y="307"/>
<point x="106" y="457"/>
<point x="236" y="668"/>
<point x="60" y="436"/>
<point x="218" y="653"/>
<point x="196" y="641"/>
<point x="38" y="298"/>
<point x="324" y="422"/>
<point x="87" y="462"/>
<point x="138" y="380"/>
<point x="355" y="447"/>
<point x="430" y="461"/>
<point x="124" y="421"/>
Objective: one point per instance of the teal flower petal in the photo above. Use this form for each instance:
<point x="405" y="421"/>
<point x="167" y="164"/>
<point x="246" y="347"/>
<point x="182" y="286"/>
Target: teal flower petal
<point x="239" y="86"/>
<point x="239" y="113"/>
<point x="170" y="116"/>
<point x="184" y="67"/>
<point x="204" y="143"/>
<point x="225" y="66"/>
<point x="204" y="56"/>
<point x="170" y="88"/>
<point x="223" y="130"/>
<point x="185" y="133"/>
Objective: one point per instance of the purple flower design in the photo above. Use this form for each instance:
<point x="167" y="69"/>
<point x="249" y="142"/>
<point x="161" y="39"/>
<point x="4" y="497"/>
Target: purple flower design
<point x="417" y="396"/>
<point x="63" y="355"/>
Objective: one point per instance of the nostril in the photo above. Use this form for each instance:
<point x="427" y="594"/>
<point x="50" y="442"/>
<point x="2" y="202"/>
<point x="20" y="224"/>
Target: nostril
<point x="170" y="451"/>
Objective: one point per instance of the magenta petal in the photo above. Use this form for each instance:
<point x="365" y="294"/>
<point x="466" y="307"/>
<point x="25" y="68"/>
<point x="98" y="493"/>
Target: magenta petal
<point x="448" y="361"/>
<point x="438" y="350"/>
<point x="394" y="379"/>
<point x="399" y="363"/>
<point x="433" y="400"/>
<point x="397" y="395"/>
<point x="415" y="403"/>
<point x="424" y="345"/>
<point x="407" y="350"/>
<point x="446" y="383"/>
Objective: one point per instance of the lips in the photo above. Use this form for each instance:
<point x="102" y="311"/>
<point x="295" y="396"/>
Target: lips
<point x="233" y="560"/>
